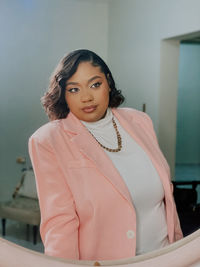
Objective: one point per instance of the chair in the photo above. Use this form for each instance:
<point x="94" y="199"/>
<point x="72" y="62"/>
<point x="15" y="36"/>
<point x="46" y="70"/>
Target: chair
<point x="23" y="206"/>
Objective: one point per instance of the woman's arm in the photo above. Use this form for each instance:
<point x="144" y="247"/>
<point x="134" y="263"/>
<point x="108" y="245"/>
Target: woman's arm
<point x="59" y="221"/>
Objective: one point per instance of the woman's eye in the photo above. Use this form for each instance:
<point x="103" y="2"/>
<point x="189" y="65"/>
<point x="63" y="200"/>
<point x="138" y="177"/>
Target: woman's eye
<point x="95" y="85"/>
<point x="73" y="90"/>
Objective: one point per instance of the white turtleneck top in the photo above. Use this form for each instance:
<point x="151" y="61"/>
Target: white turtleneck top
<point x="142" y="180"/>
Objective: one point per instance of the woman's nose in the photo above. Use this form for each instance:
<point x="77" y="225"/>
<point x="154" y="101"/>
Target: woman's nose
<point x="86" y="95"/>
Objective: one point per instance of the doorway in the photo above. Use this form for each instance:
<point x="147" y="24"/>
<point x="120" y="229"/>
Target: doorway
<point x="169" y="83"/>
<point x="187" y="161"/>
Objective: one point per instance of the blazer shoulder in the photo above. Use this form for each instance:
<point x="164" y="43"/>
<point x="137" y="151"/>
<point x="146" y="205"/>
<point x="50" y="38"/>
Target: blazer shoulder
<point x="46" y="131"/>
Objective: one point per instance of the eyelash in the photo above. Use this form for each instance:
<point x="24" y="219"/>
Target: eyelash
<point x="75" y="90"/>
<point x="71" y="90"/>
<point x="97" y="84"/>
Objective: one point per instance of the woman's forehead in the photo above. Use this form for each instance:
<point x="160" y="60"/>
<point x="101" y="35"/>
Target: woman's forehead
<point x="86" y="71"/>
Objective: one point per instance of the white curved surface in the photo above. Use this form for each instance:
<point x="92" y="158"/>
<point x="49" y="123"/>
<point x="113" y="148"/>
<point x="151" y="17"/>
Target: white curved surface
<point x="185" y="252"/>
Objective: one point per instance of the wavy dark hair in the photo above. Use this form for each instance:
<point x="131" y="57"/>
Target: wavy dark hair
<point x="54" y="101"/>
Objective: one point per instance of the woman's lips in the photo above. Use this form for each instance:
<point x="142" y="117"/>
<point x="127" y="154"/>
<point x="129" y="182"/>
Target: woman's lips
<point x="89" y="109"/>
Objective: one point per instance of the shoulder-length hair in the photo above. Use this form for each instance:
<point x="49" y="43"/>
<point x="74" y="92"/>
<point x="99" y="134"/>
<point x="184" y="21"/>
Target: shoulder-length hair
<point x="54" y="101"/>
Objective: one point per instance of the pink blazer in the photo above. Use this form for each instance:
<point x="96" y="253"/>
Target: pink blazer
<point x="86" y="208"/>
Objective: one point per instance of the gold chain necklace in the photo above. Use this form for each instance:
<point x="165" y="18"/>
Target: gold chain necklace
<point x="119" y="139"/>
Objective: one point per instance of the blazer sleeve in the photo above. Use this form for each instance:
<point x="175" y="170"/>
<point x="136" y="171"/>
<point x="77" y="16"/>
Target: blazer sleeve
<point x="59" y="221"/>
<point x="178" y="232"/>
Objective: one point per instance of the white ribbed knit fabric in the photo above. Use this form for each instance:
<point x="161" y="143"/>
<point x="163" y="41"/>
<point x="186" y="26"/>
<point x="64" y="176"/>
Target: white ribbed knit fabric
<point x="142" y="180"/>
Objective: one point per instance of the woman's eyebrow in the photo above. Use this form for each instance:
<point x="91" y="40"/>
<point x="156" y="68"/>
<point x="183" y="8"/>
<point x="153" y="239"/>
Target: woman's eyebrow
<point x="90" y="80"/>
<point x="94" y="78"/>
<point x="72" y="83"/>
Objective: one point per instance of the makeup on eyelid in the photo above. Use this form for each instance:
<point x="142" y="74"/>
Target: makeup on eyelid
<point x="76" y="89"/>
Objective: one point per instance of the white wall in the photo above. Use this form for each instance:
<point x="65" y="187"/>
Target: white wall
<point x="136" y="28"/>
<point x="35" y="34"/>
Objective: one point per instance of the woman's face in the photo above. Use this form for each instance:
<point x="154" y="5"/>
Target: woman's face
<point x="87" y="93"/>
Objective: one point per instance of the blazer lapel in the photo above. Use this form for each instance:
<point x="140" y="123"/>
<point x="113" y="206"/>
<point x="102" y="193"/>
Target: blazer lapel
<point x="91" y="149"/>
<point x="138" y="134"/>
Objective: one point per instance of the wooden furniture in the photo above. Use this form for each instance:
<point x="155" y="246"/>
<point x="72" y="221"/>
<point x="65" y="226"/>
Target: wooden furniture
<point x="23" y="206"/>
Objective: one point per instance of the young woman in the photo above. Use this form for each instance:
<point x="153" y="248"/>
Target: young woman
<point x="103" y="184"/>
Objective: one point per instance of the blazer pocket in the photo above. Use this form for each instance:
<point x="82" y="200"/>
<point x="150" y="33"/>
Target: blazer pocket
<point x="76" y="164"/>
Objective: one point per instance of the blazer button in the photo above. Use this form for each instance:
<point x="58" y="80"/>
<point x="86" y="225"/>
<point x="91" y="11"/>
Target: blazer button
<point x="130" y="234"/>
